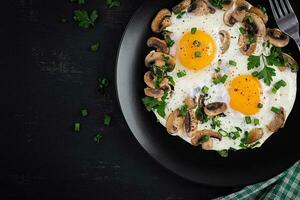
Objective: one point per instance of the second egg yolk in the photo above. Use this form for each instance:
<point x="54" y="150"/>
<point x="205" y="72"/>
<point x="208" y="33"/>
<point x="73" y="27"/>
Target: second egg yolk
<point x="196" y="51"/>
<point x="244" y="92"/>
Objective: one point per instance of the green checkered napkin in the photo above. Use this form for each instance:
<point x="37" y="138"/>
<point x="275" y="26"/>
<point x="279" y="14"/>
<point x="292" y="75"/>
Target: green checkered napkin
<point x="283" y="186"/>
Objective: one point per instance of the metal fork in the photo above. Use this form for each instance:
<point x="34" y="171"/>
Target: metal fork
<point x="286" y="19"/>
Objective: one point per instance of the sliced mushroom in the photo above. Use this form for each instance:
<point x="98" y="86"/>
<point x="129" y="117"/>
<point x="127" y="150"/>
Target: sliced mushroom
<point x="160" y="59"/>
<point x="259" y="12"/>
<point x="225" y="40"/>
<point x="254" y="135"/>
<point x="190" y="122"/>
<point x="245" y="46"/>
<point x="289" y="63"/>
<point x="277" y="37"/>
<point x="277" y="122"/>
<point x="214" y="109"/>
<point x="199" y="8"/>
<point x="190" y="102"/>
<point x="255" y="25"/>
<point x="158" y="44"/>
<point x="161" y="20"/>
<point x="197" y="135"/>
<point x="182" y="5"/>
<point x="201" y="101"/>
<point x="174" y="122"/>
<point x="164" y="85"/>
<point x="155" y="93"/>
<point x="207" y="145"/>
<point x="149" y="79"/>
<point x="236" y="13"/>
<point x="227" y="4"/>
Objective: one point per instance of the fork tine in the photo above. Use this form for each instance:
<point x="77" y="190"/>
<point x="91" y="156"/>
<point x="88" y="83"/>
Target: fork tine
<point x="273" y="9"/>
<point x="289" y="6"/>
<point x="278" y="9"/>
<point x="285" y="11"/>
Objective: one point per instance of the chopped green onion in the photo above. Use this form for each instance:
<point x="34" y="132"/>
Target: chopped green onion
<point x="193" y="30"/>
<point x="232" y="63"/>
<point x="169" y="41"/>
<point x="205" y="90"/>
<point x="238" y="129"/>
<point x="181" y="74"/>
<point x="275" y="110"/>
<point x="248" y="120"/>
<point x="106" y="120"/>
<point x="77" y="127"/>
<point x="64" y="20"/>
<point x="278" y="85"/>
<point x="234" y="135"/>
<point x="97" y="138"/>
<point x="260" y="105"/>
<point x="256" y="121"/>
<point x="218" y="69"/>
<point x="223" y="133"/>
<point x="204" y="138"/>
<point x="197" y="54"/>
<point x="84" y="112"/>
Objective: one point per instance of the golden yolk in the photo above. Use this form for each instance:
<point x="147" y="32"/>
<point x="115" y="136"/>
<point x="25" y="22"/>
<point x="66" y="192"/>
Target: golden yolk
<point x="196" y="51"/>
<point x="244" y="92"/>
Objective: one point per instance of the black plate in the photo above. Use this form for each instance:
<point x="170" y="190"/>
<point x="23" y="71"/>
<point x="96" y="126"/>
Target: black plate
<point x="206" y="167"/>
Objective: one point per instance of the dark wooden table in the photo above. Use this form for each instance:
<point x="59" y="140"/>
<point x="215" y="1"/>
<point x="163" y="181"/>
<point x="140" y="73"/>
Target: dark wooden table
<point x="48" y="75"/>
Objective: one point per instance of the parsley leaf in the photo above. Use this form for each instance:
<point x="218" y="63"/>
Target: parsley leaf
<point x="113" y="3"/>
<point x="154" y="104"/>
<point x="267" y="74"/>
<point x="84" y="19"/>
<point x="253" y="62"/>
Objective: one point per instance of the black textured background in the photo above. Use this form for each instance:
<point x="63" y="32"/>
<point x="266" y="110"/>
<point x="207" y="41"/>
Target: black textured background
<point x="47" y="75"/>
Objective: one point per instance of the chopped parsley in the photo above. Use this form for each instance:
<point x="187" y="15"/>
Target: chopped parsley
<point x="278" y="85"/>
<point x="275" y="110"/>
<point x="156" y="105"/>
<point x="106" y="120"/>
<point x="183" y="110"/>
<point x="181" y="74"/>
<point x="84" y="19"/>
<point x="97" y="138"/>
<point x="193" y="30"/>
<point x="113" y="3"/>
<point x="94" y="47"/>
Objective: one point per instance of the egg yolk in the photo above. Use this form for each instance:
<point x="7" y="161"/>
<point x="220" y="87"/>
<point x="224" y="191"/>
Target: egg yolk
<point x="244" y="92"/>
<point x="196" y="51"/>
